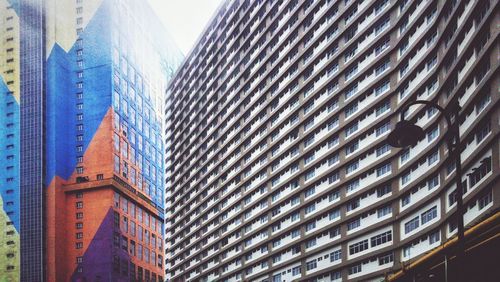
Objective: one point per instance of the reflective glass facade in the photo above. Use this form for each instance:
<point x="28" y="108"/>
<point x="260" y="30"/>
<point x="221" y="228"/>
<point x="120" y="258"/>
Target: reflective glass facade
<point x="85" y="135"/>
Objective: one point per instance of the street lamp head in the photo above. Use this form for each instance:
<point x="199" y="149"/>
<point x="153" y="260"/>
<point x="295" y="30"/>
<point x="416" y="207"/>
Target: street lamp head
<point x="405" y="134"/>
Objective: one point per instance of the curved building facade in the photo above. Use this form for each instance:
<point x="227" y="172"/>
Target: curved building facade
<point x="278" y="168"/>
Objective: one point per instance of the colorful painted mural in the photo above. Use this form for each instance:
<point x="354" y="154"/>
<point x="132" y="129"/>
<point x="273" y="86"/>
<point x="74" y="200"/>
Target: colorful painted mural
<point x="106" y="67"/>
<point x="9" y="143"/>
<point x="106" y="80"/>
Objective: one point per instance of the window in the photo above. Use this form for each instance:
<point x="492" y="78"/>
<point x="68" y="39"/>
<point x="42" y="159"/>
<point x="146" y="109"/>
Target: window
<point x="335" y="255"/>
<point x="483" y="102"/>
<point x="332" y="142"/>
<point x="309" y="192"/>
<point x="483" y="132"/>
<point x="296" y="271"/>
<point x="404" y="69"/>
<point x="433" y="182"/>
<point x="405" y="200"/>
<point x="333" y="177"/>
<point x="334" y="214"/>
<point x="79" y="245"/>
<point x="384" y="190"/>
<point x="384" y="128"/>
<point x="353" y="185"/>
<point x="351" y="109"/>
<point x="434" y="237"/>
<point x="386" y="106"/>
<point x="432" y="62"/>
<point x="352" y="167"/>
<point x="355" y="269"/>
<point x="351" y="91"/>
<point x="405" y="155"/>
<point x="349" y="54"/>
<point x="310" y="265"/>
<point x="381" y="238"/>
<point x="352" y="205"/>
<point x="382" y="150"/>
<point x="336" y="275"/>
<point x="480" y="172"/>
<point x="351" y="129"/>
<point x="277" y="258"/>
<point x="384" y="211"/>
<point x="308" y="107"/>
<point x="381" y="47"/>
<point x="309" y="141"/>
<point x="429" y="215"/>
<point x="381" y="26"/>
<point x="411" y="225"/>
<point x="309" y="158"/>
<point x="358" y="247"/>
<point x="308" y="124"/>
<point x="79" y="205"/>
<point x="406" y="178"/>
<point x="349" y="74"/>
<point x="485" y="200"/>
<point x="381" y="68"/>
<point x="310" y="208"/>
<point x="333" y="196"/>
<point x="79" y="225"/>
<point x="432" y="158"/>
<point x="385" y="259"/>
<point x="432" y="134"/>
<point x="385" y="168"/>
<point x="332" y="69"/>
<point x="311" y="243"/>
<point x="333" y="123"/>
<point x="335" y="232"/>
<point x="354" y="224"/>
<point x="117" y="164"/>
<point x="310" y="174"/>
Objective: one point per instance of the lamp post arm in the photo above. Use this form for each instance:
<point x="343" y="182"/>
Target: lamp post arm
<point x="455" y="153"/>
<point x="428" y="103"/>
<point x="454" y="138"/>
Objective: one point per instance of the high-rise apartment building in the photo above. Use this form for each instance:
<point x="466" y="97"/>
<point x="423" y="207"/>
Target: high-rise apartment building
<point x="82" y="165"/>
<point x="9" y="144"/>
<point x="278" y="168"/>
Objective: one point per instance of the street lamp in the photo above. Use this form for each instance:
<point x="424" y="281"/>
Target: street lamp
<point x="407" y="133"/>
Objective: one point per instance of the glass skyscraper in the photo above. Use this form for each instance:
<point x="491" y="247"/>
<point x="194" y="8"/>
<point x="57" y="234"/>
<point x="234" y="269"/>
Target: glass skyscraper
<point x="82" y="98"/>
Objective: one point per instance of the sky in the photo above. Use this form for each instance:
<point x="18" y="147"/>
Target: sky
<point x="185" y="19"/>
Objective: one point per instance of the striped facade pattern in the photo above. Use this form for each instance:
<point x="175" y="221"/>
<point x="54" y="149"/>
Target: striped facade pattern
<point x="277" y="166"/>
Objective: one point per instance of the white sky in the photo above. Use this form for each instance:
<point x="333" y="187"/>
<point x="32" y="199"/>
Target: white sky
<point x="185" y="19"/>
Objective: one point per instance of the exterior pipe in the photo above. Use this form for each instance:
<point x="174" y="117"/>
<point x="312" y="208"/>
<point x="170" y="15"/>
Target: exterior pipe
<point x="470" y="232"/>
